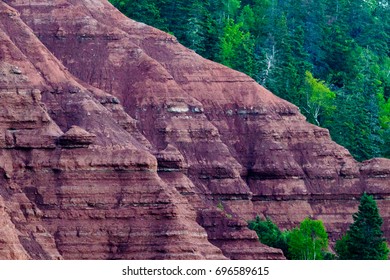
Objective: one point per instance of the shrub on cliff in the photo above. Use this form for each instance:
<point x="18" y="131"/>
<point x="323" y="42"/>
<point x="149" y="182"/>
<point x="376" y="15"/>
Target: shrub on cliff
<point x="364" y="240"/>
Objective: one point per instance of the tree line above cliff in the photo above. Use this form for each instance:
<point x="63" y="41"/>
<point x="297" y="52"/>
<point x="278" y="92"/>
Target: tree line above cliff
<point x="331" y="58"/>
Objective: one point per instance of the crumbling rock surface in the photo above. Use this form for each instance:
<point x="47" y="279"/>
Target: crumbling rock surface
<point x="116" y="142"/>
<point x="76" y="137"/>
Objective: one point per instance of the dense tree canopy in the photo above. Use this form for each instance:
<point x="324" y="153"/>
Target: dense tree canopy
<point x="269" y="234"/>
<point x="329" y="57"/>
<point x="309" y="241"/>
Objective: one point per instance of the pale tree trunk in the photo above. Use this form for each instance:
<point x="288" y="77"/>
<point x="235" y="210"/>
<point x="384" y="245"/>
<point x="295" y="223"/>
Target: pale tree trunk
<point x="270" y="62"/>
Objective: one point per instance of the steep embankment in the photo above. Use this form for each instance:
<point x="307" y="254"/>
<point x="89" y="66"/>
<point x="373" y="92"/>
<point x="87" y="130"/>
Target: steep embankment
<point x="163" y="136"/>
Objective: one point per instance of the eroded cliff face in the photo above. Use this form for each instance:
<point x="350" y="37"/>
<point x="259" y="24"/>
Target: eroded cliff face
<point x="118" y="142"/>
<point x="77" y="178"/>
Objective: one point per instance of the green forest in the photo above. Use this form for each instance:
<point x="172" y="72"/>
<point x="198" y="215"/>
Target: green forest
<point x="328" y="57"/>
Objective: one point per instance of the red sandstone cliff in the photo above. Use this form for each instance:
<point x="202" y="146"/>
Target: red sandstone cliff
<point x="117" y="142"/>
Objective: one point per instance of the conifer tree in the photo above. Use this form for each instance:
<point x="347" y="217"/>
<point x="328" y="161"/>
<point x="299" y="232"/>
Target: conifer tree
<point x="364" y="240"/>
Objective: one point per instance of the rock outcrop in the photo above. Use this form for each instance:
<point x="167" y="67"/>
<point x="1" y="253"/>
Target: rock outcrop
<point x="76" y="137"/>
<point x="116" y="142"/>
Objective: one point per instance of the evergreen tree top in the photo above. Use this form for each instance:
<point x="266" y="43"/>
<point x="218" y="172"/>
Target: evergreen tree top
<point x="364" y="240"/>
<point x="368" y="212"/>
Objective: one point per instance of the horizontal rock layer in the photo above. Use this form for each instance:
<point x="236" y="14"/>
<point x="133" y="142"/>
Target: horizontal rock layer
<point x="116" y="142"/>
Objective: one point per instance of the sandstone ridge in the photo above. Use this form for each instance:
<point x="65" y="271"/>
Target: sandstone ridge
<point x="116" y="142"/>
